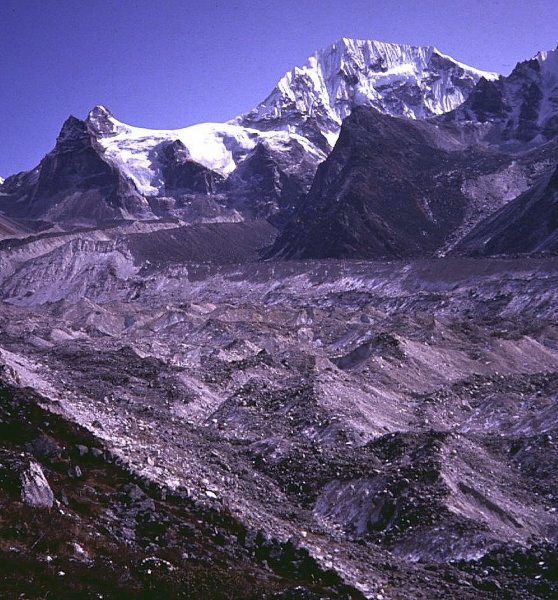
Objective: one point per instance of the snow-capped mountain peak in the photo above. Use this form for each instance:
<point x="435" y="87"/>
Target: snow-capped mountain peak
<point x="305" y="110"/>
<point x="298" y="124"/>
<point x="396" y="79"/>
<point x="548" y="59"/>
<point x="307" y="107"/>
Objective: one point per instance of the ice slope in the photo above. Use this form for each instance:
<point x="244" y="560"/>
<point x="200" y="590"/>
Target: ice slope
<point x="217" y="146"/>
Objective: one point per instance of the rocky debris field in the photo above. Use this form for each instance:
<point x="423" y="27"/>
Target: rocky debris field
<point x="298" y="429"/>
<point x="75" y="523"/>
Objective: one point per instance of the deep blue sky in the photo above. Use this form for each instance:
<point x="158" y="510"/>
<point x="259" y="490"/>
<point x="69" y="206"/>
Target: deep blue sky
<point x="171" y="63"/>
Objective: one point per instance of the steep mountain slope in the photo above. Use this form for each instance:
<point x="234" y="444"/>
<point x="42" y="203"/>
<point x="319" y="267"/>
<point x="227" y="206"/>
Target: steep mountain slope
<point x="365" y="201"/>
<point x="409" y="188"/>
<point x="395" y="187"/>
<point x="517" y="110"/>
<point x="74" y="183"/>
<point x="527" y="224"/>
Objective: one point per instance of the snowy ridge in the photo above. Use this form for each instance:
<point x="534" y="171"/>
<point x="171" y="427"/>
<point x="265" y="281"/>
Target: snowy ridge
<point x="217" y="146"/>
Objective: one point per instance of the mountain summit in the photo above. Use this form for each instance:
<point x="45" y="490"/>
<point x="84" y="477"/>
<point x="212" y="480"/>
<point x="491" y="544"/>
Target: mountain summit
<point x="397" y="79"/>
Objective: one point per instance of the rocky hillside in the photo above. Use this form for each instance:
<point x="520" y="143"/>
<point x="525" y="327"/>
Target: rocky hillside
<point x="528" y="224"/>
<point x="76" y="521"/>
<point x="395" y="187"/>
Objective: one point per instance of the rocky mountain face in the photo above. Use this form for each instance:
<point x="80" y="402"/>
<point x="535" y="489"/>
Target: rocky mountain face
<point x="108" y="170"/>
<point x="72" y="183"/>
<point x="525" y="225"/>
<point x="405" y="188"/>
<point x="377" y="194"/>
<point x="181" y="174"/>
<point x="395" y="187"/>
<point x="215" y="171"/>
<point x="518" y="110"/>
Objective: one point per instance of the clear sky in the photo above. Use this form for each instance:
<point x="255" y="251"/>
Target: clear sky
<point x="172" y="63"/>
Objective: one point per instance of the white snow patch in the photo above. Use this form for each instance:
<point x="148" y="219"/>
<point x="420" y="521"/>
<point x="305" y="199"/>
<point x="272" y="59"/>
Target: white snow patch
<point x="217" y="146"/>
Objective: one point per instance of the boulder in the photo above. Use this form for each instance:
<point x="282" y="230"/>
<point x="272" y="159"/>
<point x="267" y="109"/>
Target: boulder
<point x="35" y="490"/>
